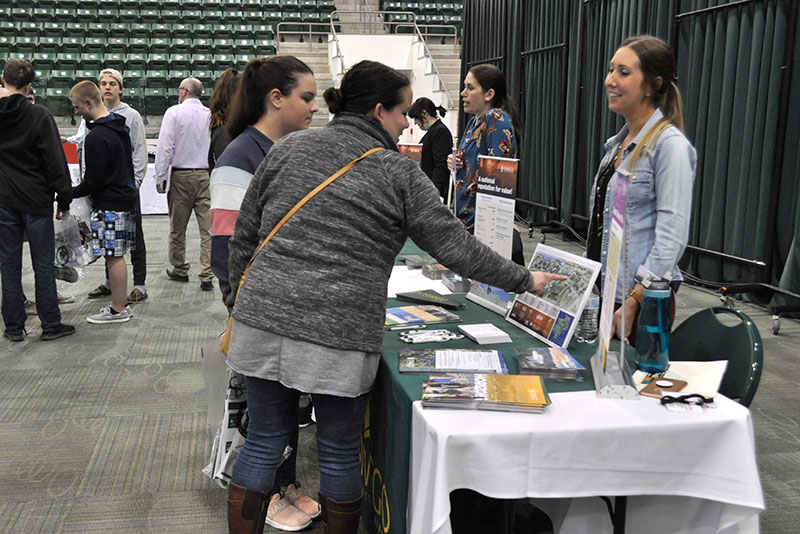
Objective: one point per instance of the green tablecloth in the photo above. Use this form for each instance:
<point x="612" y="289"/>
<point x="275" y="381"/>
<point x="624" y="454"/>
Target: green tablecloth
<point x="386" y="440"/>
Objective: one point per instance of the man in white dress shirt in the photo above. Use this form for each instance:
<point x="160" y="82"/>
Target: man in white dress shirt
<point x="183" y="143"/>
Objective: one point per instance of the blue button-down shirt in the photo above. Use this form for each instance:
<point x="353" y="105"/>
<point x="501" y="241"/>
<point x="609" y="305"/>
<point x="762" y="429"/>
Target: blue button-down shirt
<point x="184" y="138"/>
<point x="658" y="207"/>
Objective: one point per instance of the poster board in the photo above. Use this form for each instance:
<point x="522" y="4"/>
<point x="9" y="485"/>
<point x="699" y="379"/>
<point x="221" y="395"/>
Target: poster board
<point x="495" y="201"/>
<point x="553" y="316"/>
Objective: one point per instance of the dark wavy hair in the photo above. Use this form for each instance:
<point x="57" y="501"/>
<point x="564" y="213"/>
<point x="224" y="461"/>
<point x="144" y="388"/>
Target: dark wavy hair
<point x="490" y="77"/>
<point x="260" y="76"/>
<point x="427" y="105"/>
<point x="366" y="84"/>
<point x="222" y="96"/>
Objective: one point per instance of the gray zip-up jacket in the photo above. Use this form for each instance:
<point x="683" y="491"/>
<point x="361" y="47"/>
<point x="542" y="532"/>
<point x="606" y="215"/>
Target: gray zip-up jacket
<point x="323" y="277"/>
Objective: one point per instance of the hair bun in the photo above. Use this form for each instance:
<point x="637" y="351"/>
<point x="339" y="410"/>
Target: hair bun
<point x="335" y="99"/>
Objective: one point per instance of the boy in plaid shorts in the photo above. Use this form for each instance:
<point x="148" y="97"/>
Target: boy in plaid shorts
<point x="108" y="178"/>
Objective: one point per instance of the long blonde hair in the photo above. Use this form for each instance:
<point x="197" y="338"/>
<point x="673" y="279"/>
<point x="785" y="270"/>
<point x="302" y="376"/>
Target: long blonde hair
<point x="656" y="60"/>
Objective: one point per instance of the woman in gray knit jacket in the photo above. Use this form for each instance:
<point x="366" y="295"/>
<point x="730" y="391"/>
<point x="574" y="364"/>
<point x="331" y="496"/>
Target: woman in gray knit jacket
<point x="310" y="314"/>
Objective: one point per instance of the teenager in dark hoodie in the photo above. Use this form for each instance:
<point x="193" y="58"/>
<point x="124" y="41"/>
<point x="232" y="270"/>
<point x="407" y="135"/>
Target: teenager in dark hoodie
<point x="108" y="179"/>
<point x="33" y="170"/>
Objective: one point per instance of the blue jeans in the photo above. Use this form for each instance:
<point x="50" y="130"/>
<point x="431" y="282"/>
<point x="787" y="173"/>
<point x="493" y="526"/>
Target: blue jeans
<point x="41" y="240"/>
<point x="272" y="408"/>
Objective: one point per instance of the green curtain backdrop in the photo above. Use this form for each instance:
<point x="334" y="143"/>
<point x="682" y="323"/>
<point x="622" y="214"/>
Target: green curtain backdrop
<point x="738" y="74"/>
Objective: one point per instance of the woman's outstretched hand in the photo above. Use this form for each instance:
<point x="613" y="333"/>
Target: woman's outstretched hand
<point x="542" y="279"/>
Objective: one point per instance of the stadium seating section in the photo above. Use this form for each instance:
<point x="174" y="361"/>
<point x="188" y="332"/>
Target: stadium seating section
<point x="157" y="43"/>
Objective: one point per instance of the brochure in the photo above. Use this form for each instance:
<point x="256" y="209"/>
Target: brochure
<point x="495" y="201"/>
<point x="418" y="315"/>
<point x="490" y="297"/>
<point x="551" y="363"/>
<point x="452" y="360"/>
<point x="553" y="317"/>
<point x="507" y="393"/>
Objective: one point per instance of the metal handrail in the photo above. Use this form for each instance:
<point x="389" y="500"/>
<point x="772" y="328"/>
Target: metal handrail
<point x="417" y="31"/>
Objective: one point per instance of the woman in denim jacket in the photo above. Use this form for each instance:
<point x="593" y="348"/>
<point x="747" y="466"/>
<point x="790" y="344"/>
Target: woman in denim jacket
<point x="640" y="86"/>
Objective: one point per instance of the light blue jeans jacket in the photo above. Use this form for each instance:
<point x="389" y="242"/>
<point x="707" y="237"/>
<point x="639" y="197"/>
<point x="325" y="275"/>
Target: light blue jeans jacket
<point x="658" y="207"/>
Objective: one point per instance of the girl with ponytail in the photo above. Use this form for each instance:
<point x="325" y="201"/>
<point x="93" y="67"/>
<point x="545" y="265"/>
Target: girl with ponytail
<point x="437" y="143"/>
<point x="660" y="160"/>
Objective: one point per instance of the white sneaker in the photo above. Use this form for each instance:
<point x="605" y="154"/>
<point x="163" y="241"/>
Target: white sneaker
<point x="106" y="317"/>
<point x="64" y="298"/>
<point x="127" y="309"/>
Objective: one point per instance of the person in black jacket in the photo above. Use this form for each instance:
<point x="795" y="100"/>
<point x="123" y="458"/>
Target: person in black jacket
<point x="108" y="178"/>
<point x="33" y="170"/>
<point x="437" y="143"/>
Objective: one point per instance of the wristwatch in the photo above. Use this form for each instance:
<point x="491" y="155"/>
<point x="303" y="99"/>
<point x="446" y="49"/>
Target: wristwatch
<point x="637" y="292"/>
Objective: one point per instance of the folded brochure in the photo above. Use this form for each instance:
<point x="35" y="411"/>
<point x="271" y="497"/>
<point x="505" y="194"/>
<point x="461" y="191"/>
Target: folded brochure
<point x="419" y="315"/>
<point x="452" y="360"/>
<point x="507" y="393"/>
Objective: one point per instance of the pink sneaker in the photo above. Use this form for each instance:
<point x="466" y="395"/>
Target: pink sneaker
<point x="295" y="495"/>
<point x="283" y="516"/>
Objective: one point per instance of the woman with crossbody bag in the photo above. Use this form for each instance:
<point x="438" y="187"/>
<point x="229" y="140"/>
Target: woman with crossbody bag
<point x="337" y="204"/>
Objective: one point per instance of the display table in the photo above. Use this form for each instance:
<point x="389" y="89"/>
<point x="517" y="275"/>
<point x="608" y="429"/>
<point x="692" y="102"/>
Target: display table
<point x="700" y="467"/>
<point x="151" y="201"/>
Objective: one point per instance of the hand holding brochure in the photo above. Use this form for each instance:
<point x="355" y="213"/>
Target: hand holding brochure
<point x="452" y="361"/>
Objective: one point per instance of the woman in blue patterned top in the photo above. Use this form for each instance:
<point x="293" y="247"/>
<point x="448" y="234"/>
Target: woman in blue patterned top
<point x="490" y="132"/>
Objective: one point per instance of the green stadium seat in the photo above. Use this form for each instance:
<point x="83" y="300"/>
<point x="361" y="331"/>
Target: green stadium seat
<point x="411" y="6"/>
<point x="94" y="45"/>
<point x="192" y="17"/>
<point x="224" y="61"/>
<point x="85" y="75"/>
<point x="223" y="46"/>
<point x="138" y="45"/>
<point x="75" y="29"/>
<point x="25" y="46"/>
<point x="202" y="61"/>
<point x="455" y="20"/>
<point x="272" y="16"/>
<point x="264" y="31"/>
<point x="232" y="5"/>
<point x="21" y="14"/>
<point x="129" y="4"/>
<point x="222" y="31"/>
<point x="181" y="31"/>
<point x="393" y="6"/>
<point x="272" y="5"/>
<point x="40" y="79"/>
<point x="91" y="61"/>
<point x="243" y="60"/>
<point x="6" y="45"/>
<point x="213" y="17"/>
<point x="43" y="14"/>
<point x="244" y="47"/>
<point x="71" y="45"/>
<point x="158" y="62"/>
<point x="202" y="46"/>
<point x="30" y="29"/>
<point x="117" y="45"/>
<point x="243" y="31"/>
<point x="108" y="15"/>
<point x="142" y="31"/>
<point x="88" y="4"/>
<point x="128" y="16"/>
<point x="171" y="16"/>
<point x="312" y="17"/>
<point x="134" y="97"/>
<point x="86" y="16"/>
<point x="205" y="76"/>
<point x="175" y="77"/>
<point x="233" y="17"/>
<point x="57" y="101"/>
<point x="44" y="61"/>
<point x="181" y="46"/>
<point x="120" y="29"/>
<point x="100" y="29"/>
<point x="150" y="4"/>
<point x="114" y="61"/>
<point x="180" y="62"/>
<point x="436" y="20"/>
<point x="193" y="4"/>
<point x="159" y="46"/>
<point x="157" y="78"/>
<point x="171" y="4"/>
<point x="155" y="100"/>
<point x="202" y="31"/>
<point x="134" y="78"/>
<point x="326" y="6"/>
<point x="396" y="19"/>
<point x="136" y="61"/>
<point x="61" y="78"/>
<point x="160" y="31"/>
<point x="308" y="5"/>
<point x="265" y="47"/>
<point x="149" y="16"/>
<point x="47" y="3"/>
<point x="52" y="29"/>
<point x="252" y="5"/>
<point x="429" y="9"/>
<point x="253" y="18"/>
<point x="8" y="28"/>
<point x="290" y="6"/>
<point x="49" y="45"/>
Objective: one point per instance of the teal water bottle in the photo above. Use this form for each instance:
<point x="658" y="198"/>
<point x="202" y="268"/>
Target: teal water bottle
<point x="652" y="335"/>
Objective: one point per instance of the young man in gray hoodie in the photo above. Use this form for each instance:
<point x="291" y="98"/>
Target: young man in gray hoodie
<point x="111" y="84"/>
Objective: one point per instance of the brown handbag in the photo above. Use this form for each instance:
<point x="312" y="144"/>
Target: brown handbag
<point x="226" y="336"/>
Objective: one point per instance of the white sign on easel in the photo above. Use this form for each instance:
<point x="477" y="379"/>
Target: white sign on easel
<point x="495" y="201"/>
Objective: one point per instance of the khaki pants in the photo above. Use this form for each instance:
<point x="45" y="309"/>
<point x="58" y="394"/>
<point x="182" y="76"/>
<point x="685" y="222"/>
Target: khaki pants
<point x="188" y="190"/>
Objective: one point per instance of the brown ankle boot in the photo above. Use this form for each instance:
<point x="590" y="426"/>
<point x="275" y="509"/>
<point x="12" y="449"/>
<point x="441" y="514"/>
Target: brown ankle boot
<point x="247" y="510"/>
<point x="340" y="517"/>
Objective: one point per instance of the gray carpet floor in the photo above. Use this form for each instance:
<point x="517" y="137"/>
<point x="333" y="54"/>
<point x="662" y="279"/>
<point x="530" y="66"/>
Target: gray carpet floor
<point x="106" y="430"/>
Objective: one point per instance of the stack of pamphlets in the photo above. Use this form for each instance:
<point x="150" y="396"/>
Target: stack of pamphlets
<point x="484" y="333"/>
<point x="430" y="296"/>
<point x="419" y="315"/>
<point x="505" y="393"/>
<point x="415" y="261"/>
<point x="452" y="361"/>
<point x="434" y="271"/>
<point x="551" y="363"/>
<point x="456" y="283"/>
<point x="490" y="297"/>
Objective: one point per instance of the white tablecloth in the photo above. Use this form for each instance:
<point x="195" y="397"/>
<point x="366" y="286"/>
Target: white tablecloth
<point x="685" y="473"/>
<point x="150" y="200"/>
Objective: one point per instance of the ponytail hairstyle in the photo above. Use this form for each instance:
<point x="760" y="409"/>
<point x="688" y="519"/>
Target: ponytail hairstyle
<point x="260" y="77"/>
<point x="221" y="97"/>
<point x="427" y="105"/>
<point x="656" y="60"/>
<point x="490" y="77"/>
<point x="365" y="85"/>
